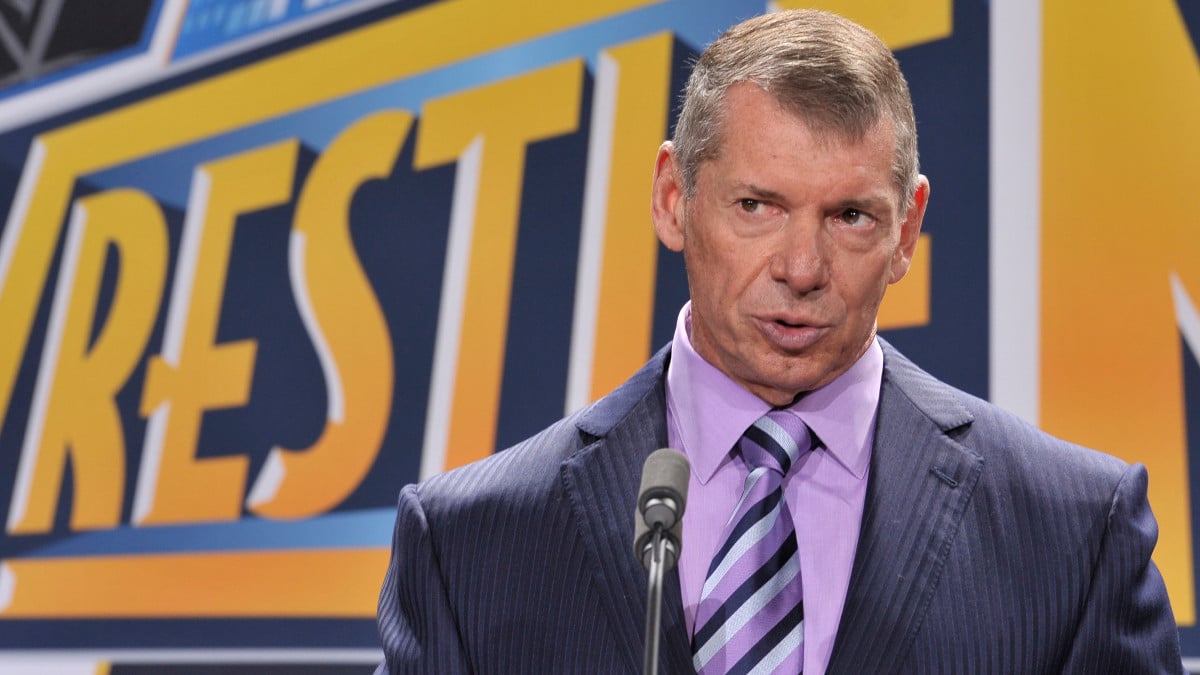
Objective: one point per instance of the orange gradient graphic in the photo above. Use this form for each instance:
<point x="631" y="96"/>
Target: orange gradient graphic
<point x="1121" y="159"/>
<point x="335" y="583"/>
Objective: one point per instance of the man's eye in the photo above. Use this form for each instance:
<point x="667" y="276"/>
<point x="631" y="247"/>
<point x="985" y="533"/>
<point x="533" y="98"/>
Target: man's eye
<point x="750" y="205"/>
<point x="855" y="218"/>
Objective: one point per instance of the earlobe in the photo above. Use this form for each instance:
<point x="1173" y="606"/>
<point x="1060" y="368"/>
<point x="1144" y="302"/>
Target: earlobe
<point x="666" y="198"/>
<point x="910" y="230"/>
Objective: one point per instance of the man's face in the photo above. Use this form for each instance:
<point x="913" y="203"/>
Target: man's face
<point x="789" y="242"/>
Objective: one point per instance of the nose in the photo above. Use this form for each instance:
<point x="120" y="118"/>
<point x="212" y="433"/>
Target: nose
<point x="799" y="256"/>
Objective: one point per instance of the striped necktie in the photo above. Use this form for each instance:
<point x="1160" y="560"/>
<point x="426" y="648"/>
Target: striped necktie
<point x="751" y="615"/>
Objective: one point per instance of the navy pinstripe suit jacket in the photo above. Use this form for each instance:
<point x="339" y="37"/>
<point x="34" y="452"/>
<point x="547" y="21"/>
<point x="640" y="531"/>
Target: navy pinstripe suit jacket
<point x="987" y="546"/>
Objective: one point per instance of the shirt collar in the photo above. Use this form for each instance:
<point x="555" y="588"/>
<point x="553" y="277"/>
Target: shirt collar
<point x="711" y="411"/>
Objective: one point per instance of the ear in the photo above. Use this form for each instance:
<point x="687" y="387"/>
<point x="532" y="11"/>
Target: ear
<point x="667" y="198"/>
<point x="910" y="230"/>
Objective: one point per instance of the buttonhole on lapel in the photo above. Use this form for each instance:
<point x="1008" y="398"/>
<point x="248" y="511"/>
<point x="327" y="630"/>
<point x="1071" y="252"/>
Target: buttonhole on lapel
<point x="944" y="477"/>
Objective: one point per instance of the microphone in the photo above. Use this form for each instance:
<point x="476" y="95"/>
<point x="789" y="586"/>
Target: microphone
<point x="661" y="499"/>
<point x="658" y="535"/>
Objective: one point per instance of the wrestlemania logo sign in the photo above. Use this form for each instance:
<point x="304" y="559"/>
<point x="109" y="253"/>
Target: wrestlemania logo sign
<point x="264" y="262"/>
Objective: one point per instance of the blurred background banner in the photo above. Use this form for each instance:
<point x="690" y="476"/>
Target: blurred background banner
<point x="263" y="262"/>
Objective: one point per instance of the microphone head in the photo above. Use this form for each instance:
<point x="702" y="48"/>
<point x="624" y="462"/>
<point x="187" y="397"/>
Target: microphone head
<point x="663" y="493"/>
<point x="661" y="499"/>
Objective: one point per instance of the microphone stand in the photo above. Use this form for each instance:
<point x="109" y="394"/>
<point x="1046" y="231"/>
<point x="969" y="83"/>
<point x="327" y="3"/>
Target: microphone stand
<point x="658" y="534"/>
<point x="661" y="547"/>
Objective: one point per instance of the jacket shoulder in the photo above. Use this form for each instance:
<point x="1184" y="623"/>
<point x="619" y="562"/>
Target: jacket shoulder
<point x="1009" y="445"/>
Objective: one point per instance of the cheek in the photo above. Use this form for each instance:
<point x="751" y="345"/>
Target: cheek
<point x="726" y="273"/>
<point x="863" y="283"/>
<point x="708" y="262"/>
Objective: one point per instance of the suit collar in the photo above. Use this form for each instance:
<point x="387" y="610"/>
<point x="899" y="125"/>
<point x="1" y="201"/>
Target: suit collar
<point x="599" y="418"/>
<point x="929" y="397"/>
<point x="921" y="481"/>
<point x="602" y="481"/>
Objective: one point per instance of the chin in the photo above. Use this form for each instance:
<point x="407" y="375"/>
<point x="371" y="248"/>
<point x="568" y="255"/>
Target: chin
<point x="791" y="386"/>
<point x="805" y="382"/>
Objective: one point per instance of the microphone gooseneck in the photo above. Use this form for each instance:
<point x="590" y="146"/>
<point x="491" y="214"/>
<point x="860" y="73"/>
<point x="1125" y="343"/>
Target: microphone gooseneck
<point x="658" y="535"/>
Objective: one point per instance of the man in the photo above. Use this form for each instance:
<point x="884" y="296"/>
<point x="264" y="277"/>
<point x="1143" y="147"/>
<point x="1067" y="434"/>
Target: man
<point x="919" y="528"/>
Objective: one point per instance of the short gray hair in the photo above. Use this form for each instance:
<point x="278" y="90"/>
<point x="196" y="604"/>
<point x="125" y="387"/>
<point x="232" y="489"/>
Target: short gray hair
<point x="834" y="74"/>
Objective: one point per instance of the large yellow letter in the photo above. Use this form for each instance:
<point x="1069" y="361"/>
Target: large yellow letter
<point x="485" y="130"/>
<point x="346" y="325"/>
<point x="618" y="252"/>
<point x="195" y="374"/>
<point x="74" y="410"/>
<point x="27" y="247"/>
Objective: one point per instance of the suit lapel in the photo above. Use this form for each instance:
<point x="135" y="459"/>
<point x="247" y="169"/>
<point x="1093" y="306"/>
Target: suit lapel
<point x="601" y="481"/>
<point x="919" y="486"/>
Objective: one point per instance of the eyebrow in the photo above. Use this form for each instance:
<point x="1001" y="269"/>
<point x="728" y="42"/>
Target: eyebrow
<point x="757" y="191"/>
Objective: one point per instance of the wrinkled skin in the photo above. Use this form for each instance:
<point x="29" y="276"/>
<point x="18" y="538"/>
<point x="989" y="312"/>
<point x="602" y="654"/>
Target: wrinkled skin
<point x="790" y="241"/>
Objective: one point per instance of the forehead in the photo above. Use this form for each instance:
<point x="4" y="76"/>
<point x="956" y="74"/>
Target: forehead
<point x="762" y="141"/>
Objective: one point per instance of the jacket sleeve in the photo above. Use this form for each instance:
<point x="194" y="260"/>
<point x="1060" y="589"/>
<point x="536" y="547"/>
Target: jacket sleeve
<point x="1127" y="624"/>
<point x="416" y="625"/>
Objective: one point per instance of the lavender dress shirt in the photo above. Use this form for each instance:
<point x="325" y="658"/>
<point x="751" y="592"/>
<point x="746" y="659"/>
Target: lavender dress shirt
<point x="706" y="415"/>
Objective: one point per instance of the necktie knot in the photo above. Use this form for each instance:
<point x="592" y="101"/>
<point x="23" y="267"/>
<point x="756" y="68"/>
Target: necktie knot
<point x="775" y="441"/>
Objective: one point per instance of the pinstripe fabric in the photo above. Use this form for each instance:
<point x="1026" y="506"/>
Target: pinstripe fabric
<point x="523" y="563"/>
<point x="986" y="547"/>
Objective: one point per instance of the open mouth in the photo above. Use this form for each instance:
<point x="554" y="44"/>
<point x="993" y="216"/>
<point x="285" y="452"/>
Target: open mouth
<point x="791" y="335"/>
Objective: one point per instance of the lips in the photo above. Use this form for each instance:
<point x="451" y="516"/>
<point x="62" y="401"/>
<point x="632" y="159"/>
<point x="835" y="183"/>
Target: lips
<point x="790" y="333"/>
<point x="791" y="320"/>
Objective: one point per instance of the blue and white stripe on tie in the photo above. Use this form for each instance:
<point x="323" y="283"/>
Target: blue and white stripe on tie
<point x="751" y="615"/>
